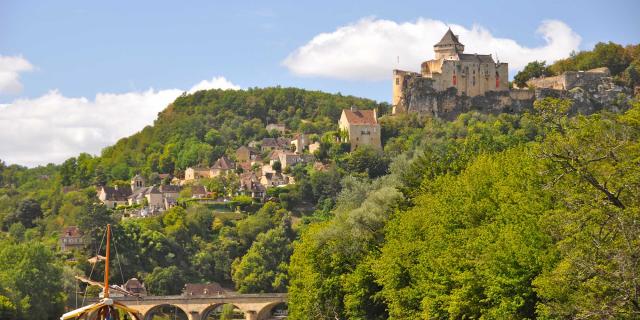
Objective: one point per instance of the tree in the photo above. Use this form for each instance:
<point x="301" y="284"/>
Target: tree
<point x="264" y="267"/>
<point x="8" y="309"/>
<point x="597" y="252"/>
<point x="533" y="69"/>
<point x="368" y="161"/>
<point x="165" y="281"/>
<point x="28" y="211"/>
<point x="471" y="246"/>
<point x="32" y="280"/>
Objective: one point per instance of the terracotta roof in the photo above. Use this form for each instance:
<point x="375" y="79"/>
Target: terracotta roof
<point x="202" y="289"/>
<point x="448" y="39"/>
<point x="360" y="116"/>
<point x="71" y="231"/>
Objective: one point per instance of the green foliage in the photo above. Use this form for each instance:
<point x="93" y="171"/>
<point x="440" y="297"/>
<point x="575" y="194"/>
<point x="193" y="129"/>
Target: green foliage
<point x="264" y="267"/>
<point x="368" y="161"/>
<point x="27" y="212"/>
<point x="165" y="281"/>
<point x="8" y="309"/>
<point x="31" y="279"/>
<point x="533" y="69"/>
<point x="611" y="55"/>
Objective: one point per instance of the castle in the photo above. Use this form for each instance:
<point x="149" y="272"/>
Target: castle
<point x="455" y="82"/>
<point x="470" y="74"/>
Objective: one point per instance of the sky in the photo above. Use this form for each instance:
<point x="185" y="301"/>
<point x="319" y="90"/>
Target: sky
<point x="76" y="76"/>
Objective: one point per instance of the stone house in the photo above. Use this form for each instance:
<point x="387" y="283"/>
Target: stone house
<point x="112" y="197"/>
<point x="269" y="144"/>
<point x="250" y="186"/>
<point x="274" y="179"/>
<point x="361" y="128"/>
<point x="222" y="166"/>
<point x="198" y="192"/>
<point x="286" y="158"/>
<point x="71" y="238"/>
<point x="151" y="196"/>
<point x="134" y="285"/>
<point x="194" y="173"/>
<point x="300" y="142"/>
<point x="244" y="154"/>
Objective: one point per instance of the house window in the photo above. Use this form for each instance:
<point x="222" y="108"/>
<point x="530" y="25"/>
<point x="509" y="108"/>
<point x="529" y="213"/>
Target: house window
<point x="397" y="81"/>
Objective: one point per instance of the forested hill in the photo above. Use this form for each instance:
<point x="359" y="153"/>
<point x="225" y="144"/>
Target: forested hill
<point x="198" y="128"/>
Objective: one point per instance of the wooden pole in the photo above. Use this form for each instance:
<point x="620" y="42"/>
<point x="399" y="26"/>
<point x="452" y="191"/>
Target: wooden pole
<point x="106" y="267"/>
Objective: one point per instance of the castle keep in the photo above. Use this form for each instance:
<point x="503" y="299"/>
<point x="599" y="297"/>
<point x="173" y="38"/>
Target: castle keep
<point x="470" y="74"/>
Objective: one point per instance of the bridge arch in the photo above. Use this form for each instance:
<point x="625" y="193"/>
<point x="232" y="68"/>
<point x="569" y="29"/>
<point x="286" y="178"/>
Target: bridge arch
<point x="215" y="311"/>
<point x="173" y="311"/>
<point x="275" y="310"/>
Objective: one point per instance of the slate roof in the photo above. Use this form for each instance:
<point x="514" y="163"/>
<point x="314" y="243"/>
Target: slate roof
<point x="134" y="285"/>
<point x="448" y="39"/>
<point x="276" y="142"/>
<point x="170" y="188"/>
<point x="360" y="116"/>
<point x="113" y="194"/>
<point x="480" y="58"/>
<point x="224" y="163"/>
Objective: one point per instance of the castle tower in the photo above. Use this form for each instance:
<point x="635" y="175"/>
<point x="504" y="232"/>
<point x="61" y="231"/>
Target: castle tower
<point x="137" y="182"/>
<point x="448" y="47"/>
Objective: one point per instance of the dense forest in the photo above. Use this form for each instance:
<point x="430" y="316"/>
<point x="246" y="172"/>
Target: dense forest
<point x="515" y="216"/>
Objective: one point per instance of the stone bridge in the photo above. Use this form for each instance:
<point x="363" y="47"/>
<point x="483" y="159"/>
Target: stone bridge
<point x="254" y="306"/>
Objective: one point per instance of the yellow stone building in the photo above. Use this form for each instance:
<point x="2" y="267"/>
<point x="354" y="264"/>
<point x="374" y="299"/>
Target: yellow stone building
<point x="470" y="74"/>
<point x="361" y="128"/>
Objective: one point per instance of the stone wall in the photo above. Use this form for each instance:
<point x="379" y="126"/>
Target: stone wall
<point x="590" y="95"/>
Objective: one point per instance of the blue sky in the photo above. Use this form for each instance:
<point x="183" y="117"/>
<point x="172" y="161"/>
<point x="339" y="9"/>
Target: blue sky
<point x="86" y="48"/>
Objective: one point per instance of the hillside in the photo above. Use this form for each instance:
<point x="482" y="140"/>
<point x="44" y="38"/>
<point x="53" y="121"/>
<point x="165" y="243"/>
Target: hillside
<point x="500" y="216"/>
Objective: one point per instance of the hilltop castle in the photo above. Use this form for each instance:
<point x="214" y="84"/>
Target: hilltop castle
<point x="470" y="74"/>
<point x="456" y="82"/>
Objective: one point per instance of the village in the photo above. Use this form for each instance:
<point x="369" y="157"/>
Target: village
<point x="249" y="172"/>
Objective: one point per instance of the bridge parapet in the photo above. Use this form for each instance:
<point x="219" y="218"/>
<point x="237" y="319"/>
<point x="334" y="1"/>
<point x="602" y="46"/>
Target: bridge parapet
<point x="254" y="306"/>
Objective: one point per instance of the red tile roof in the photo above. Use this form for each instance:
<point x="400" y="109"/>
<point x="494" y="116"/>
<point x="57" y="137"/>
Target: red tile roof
<point x="360" y="116"/>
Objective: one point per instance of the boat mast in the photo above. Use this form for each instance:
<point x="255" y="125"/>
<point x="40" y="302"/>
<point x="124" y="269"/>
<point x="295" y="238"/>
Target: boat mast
<point x="106" y="267"/>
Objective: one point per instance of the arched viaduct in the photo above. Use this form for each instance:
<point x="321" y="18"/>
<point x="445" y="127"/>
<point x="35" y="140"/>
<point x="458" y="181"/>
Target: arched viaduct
<point x="254" y="306"/>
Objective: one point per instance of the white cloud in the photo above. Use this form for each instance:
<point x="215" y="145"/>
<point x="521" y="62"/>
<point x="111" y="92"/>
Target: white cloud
<point x="10" y="69"/>
<point x="369" y="49"/>
<point x="52" y="128"/>
<point x="216" y="82"/>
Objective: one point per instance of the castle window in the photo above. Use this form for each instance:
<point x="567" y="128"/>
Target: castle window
<point x="397" y="81"/>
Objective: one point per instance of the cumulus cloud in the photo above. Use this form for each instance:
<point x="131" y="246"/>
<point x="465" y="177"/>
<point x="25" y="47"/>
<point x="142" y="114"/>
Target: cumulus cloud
<point x="216" y="82"/>
<point x="10" y="69"/>
<point x="370" y="48"/>
<point x="52" y="128"/>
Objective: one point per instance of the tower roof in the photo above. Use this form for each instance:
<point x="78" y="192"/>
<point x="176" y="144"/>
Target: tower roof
<point x="448" y="39"/>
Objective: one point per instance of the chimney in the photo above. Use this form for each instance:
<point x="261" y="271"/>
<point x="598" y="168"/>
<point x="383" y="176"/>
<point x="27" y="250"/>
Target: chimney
<point x="354" y="108"/>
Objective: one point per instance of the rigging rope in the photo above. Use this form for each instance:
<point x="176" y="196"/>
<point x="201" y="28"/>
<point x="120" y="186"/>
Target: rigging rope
<point x="94" y="265"/>
<point x="115" y="245"/>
